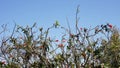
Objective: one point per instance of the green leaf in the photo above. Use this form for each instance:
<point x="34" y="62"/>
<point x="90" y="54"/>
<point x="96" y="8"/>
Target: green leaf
<point x="57" y="24"/>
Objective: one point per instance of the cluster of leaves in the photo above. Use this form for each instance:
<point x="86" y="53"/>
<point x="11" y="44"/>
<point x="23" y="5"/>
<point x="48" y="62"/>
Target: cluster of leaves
<point x="110" y="50"/>
<point x="26" y="48"/>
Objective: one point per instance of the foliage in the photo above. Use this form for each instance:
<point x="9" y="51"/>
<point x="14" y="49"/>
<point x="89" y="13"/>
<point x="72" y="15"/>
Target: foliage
<point x="111" y="50"/>
<point x="27" y="47"/>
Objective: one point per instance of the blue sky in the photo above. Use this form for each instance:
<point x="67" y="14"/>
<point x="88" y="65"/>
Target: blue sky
<point x="46" y="12"/>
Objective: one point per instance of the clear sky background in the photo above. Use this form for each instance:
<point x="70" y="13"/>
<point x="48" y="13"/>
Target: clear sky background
<point x="46" y="12"/>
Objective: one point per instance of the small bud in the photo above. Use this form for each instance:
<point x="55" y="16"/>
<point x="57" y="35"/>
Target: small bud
<point x="102" y="25"/>
<point x="60" y="45"/>
<point x="3" y="62"/>
<point x="85" y="30"/>
<point x="106" y="29"/>
<point x="105" y="26"/>
<point x="56" y="40"/>
<point x="64" y="40"/>
<point x="96" y="30"/>
<point x="109" y="25"/>
<point x="41" y="29"/>
<point x="81" y="29"/>
<point x="71" y="35"/>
